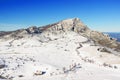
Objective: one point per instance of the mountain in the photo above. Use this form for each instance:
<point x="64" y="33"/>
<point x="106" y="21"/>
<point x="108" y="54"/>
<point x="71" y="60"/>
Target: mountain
<point x="65" y="50"/>
<point x="64" y="26"/>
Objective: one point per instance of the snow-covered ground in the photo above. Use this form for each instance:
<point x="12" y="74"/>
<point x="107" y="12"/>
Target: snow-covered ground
<point x="63" y="57"/>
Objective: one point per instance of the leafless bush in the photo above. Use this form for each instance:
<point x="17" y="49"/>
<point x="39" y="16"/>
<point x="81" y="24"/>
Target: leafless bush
<point x="72" y="67"/>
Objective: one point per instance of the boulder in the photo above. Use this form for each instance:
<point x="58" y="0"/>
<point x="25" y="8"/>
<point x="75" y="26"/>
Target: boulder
<point x="2" y="63"/>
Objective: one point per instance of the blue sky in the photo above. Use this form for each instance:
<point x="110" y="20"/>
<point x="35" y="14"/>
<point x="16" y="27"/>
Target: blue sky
<point x="100" y="15"/>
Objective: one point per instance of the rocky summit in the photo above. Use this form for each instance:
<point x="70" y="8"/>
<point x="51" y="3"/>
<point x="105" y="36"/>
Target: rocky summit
<point x="65" y="50"/>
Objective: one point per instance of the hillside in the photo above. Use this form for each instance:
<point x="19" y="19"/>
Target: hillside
<point x="66" y="50"/>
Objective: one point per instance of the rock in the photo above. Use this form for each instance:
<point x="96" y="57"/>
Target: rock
<point x="2" y="77"/>
<point x="39" y="72"/>
<point x="32" y="30"/>
<point x="20" y="75"/>
<point x="2" y="63"/>
<point x="103" y="49"/>
<point x="115" y="67"/>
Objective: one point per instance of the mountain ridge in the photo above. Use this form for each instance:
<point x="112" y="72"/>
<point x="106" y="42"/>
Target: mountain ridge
<point x="64" y="26"/>
<point x="33" y="29"/>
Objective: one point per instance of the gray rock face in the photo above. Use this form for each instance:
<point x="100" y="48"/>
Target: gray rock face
<point x="68" y="25"/>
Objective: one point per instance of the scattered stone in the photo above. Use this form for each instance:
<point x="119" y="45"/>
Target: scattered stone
<point x="1" y="77"/>
<point x="105" y="64"/>
<point x="103" y="50"/>
<point x="39" y="72"/>
<point x="20" y="76"/>
<point x="115" y="67"/>
<point x="2" y="63"/>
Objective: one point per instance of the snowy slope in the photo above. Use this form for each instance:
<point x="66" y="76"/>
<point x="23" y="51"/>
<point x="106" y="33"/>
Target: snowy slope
<point x="64" y="57"/>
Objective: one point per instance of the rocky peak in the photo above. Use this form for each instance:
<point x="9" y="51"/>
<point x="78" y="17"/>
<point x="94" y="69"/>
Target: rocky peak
<point x="74" y="24"/>
<point x="70" y="21"/>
